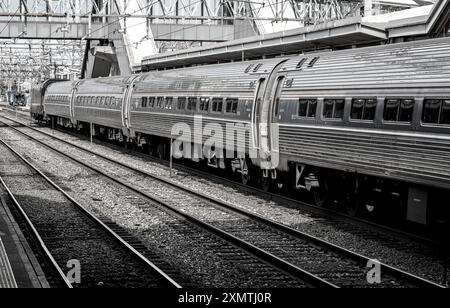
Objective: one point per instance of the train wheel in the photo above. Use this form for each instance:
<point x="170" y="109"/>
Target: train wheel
<point x="245" y="173"/>
<point x="266" y="182"/>
<point x="278" y="184"/>
<point x="320" y="197"/>
<point x="321" y="194"/>
<point x="352" y="204"/>
<point x="160" y="151"/>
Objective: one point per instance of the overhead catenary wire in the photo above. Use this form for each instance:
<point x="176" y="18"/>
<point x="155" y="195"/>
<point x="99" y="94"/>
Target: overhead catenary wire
<point x="194" y="25"/>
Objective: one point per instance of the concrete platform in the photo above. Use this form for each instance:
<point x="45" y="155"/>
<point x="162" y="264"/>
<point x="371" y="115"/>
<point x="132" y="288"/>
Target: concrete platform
<point x="19" y="267"/>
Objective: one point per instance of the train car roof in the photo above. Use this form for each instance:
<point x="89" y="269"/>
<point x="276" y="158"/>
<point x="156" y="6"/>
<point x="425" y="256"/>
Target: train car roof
<point x="418" y="64"/>
<point x="219" y="77"/>
<point x="110" y="85"/>
<point x="63" y="87"/>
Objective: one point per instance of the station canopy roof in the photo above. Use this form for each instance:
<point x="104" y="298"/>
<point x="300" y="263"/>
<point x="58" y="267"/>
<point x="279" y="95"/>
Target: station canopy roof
<point x="419" y="20"/>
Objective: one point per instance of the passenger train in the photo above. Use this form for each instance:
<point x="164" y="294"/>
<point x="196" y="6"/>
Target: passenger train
<point x="368" y="128"/>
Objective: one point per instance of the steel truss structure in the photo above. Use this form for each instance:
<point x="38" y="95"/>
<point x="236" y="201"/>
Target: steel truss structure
<point x="52" y="33"/>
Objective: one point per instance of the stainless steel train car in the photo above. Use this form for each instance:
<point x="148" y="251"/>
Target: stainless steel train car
<point x="368" y="128"/>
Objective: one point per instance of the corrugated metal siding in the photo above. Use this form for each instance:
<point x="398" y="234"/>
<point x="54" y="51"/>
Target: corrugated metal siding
<point x="103" y="86"/>
<point x="160" y="124"/>
<point x="101" y="116"/>
<point x="410" y="65"/>
<point x="59" y="108"/>
<point x="222" y="78"/>
<point x="420" y="69"/>
<point x="415" y="157"/>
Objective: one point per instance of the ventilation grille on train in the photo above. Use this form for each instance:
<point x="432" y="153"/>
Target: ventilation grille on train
<point x="303" y="61"/>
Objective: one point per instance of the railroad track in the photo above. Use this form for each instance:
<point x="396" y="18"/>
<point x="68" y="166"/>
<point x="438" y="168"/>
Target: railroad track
<point x="264" y="269"/>
<point x="290" y="249"/>
<point x="367" y="228"/>
<point x="68" y="234"/>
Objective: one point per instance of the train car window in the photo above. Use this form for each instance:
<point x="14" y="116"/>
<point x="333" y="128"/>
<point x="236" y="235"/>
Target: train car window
<point x="333" y="108"/>
<point x="307" y="108"/>
<point x="108" y="100"/>
<point x="338" y="108"/>
<point x="231" y="105"/>
<point x="445" y="114"/>
<point x="181" y="105"/>
<point x="302" y="107"/>
<point x="363" y="109"/>
<point x="357" y="110"/>
<point x="370" y="107"/>
<point x="276" y="107"/>
<point x="398" y="110"/>
<point x="406" y="110"/>
<point x="391" y="109"/>
<point x="436" y="111"/>
<point x="217" y="104"/>
<point x="192" y="103"/>
<point x="169" y="102"/>
<point x="204" y="104"/>
<point x="312" y="108"/>
<point x="431" y="110"/>
<point x="151" y="101"/>
<point x="144" y="101"/>
<point x="160" y="102"/>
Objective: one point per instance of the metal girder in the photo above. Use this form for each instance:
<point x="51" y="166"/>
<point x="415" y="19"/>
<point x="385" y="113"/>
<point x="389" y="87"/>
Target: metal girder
<point x="51" y="30"/>
<point x="36" y="60"/>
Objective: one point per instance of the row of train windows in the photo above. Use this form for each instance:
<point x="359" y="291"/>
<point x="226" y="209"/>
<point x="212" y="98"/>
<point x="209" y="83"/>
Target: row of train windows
<point x="435" y="111"/>
<point x="98" y="100"/>
<point x="203" y="104"/>
<point x="57" y="98"/>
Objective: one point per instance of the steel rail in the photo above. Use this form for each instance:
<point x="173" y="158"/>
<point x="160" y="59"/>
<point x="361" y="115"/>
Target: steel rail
<point x="410" y="278"/>
<point x="414" y="279"/>
<point x="132" y="251"/>
<point x="262" y="254"/>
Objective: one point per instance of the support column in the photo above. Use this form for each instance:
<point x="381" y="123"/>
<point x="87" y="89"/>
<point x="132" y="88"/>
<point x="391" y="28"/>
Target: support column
<point x="368" y="7"/>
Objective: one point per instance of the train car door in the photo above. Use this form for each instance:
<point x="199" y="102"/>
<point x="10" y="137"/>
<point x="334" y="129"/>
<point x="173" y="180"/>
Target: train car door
<point x="262" y="117"/>
<point x="126" y="106"/>
<point x="72" y="101"/>
<point x="273" y="121"/>
<point x="256" y="113"/>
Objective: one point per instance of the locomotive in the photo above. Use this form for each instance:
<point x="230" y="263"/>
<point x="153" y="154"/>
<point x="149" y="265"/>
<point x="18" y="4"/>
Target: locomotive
<point x="368" y="128"/>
